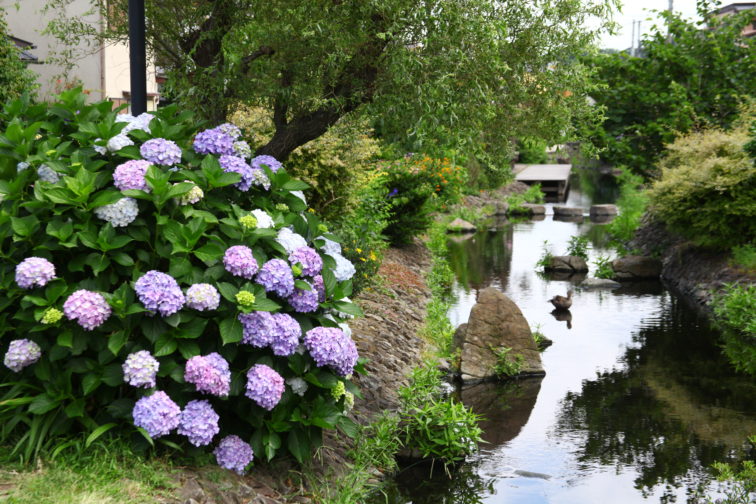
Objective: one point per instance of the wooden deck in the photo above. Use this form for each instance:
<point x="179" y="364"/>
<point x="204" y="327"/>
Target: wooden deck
<point x="554" y="178"/>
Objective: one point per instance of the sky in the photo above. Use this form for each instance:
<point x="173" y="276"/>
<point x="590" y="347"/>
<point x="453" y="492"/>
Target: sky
<point x="640" y="10"/>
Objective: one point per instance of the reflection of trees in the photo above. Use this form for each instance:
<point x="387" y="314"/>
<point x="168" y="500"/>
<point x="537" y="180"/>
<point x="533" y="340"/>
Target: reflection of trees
<point x="626" y="418"/>
<point x="598" y="187"/>
<point x="416" y="485"/>
<point x="476" y="261"/>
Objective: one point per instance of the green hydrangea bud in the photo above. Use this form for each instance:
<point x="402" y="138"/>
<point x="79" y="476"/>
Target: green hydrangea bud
<point x="348" y="401"/>
<point x="296" y="269"/>
<point x="338" y="391"/>
<point x="245" y="298"/>
<point x="282" y="207"/>
<point x="322" y="228"/>
<point x="51" y="316"/>
<point x="248" y="222"/>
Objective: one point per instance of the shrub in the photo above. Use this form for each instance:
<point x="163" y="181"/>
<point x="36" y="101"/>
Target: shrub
<point x="532" y="151"/>
<point x="735" y="309"/>
<point x="632" y="203"/>
<point x="706" y="191"/>
<point x="603" y="267"/>
<point x="507" y="365"/>
<point x="545" y="260"/>
<point x="532" y="195"/>
<point x="15" y="78"/>
<point x="744" y="256"/>
<point x="198" y="272"/>
<point x="578" y="246"/>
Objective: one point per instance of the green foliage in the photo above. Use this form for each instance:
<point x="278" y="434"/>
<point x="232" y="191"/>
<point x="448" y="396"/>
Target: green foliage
<point x="539" y="339"/>
<point x="632" y="204"/>
<point x="735" y="309"/>
<point x="699" y="79"/>
<point x="603" y="267"/>
<point x="706" y="191"/>
<point x="437" y="328"/>
<point x="532" y="195"/>
<point x="438" y="427"/>
<point x="532" y="151"/>
<point x="545" y="260"/>
<point x="744" y="256"/>
<point x="507" y="364"/>
<point x="77" y="386"/>
<point x="15" y="78"/>
<point x="750" y="147"/>
<point x="740" y="482"/>
<point x="578" y="246"/>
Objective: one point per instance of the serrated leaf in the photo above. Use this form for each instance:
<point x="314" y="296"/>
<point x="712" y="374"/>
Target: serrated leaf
<point x="230" y="330"/>
<point x="165" y="345"/>
<point x="265" y="304"/>
<point x="116" y="341"/>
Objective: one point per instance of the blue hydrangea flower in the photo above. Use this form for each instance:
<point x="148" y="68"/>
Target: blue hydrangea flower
<point x="240" y="262"/>
<point x="276" y="276"/>
<point x="119" y="214"/>
<point x="130" y="175"/>
<point x="272" y="163"/>
<point x="209" y="373"/>
<point x="87" y="308"/>
<point x="309" y="259"/>
<point x="140" y="369"/>
<point x="319" y="286"/>
<point x="264" y="386"/>
<point x="157" y="414"/>
<point x="199" y="422"/>
<point x="304" y="301"/>
<point x="329" y="346"/>
<point x="344" y="268"/>
<point x="257" y="328"/>
<point x="236" y="164"/>
<point x="21" y="353"/>
<point x="160" y="151"/>
<point x="47" y="174"/>
<point x="286" y="333"/>
<point x="202" y="296"/>
<point x="213" y="141"/>
<point x="34" y="272"/>
<point x="234" y="454"/>
<point x="159" y="292"/>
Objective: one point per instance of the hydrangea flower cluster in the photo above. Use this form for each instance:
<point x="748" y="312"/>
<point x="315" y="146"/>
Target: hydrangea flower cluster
<point x="21" y="166"/>
<point x="140" y="122"/>
<point x="202" y="296"/>
<point x="298" y="385"/>
<point x="329" y="346"/>
<point x="199" y="422"/>
<point x="272" y="163"/>
<point x="87" y="308"/>
<point x="257" y="328"/>
<point x="290" y="240"/>
<point x="157" y="414"/>
<point x="209" y="373"/>
<point x="229" y="129"/>
<point x="319" y="286"/>
<point x="304" y="301"/>
<point x="214" y="141"/>
<point x="34" y="272"/>
<point x="236" y="164"/>
<point x="119" y="214"/>
<point x="264" y="221"/>
<point x="233" y="453"/>
<point x="159" y="292"/>
<point x="242" y="149"/>
<point x="264" y="386"/>
<point x="259" y="178"/>
<point x="193" y="196"/>
<point x="140" y="369"/>
<point x="285" y="335"/>
<point x="245" y="298"/>
<point x="116" y="143"/>
<point x="240" y="262"/>
<point x="344" y="268"/>
<point x="276" y="276"/>
<point x="310" y="260"/>
<point x="21" y="353"/>
<point x="160" y="151"/>
<point x="47" y="174"/>
<point x="248" y="221"/>
<point x="130" y="175"/>
<point x="51" y="316"/>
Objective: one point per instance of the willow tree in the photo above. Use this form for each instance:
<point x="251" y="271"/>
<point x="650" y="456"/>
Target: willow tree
<point x="469" y="74"/>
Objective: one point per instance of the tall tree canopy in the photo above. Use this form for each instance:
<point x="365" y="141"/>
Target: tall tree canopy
<point x="14" y="76"/>
<point x="468" y="74"/>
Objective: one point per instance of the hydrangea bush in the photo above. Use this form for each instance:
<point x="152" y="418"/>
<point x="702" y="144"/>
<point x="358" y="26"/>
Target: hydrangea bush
<point x="158" y="277"/>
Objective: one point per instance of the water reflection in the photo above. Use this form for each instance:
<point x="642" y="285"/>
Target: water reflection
<point x="421" y="484"/>
<point x="493" y="253"/>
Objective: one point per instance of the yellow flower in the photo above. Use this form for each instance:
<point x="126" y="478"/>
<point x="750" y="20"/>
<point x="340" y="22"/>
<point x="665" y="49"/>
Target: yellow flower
<point x="311" y="210"/>
<point x="373" y="257"/>
<point x="359" y="251"/>
<point x="363" y="259"/>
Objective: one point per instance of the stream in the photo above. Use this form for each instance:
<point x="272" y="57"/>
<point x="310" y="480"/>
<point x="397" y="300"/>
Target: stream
<point x="637" y="401"/>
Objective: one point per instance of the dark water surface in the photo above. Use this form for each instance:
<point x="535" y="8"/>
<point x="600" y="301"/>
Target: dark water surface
<point x="637" y="402"/>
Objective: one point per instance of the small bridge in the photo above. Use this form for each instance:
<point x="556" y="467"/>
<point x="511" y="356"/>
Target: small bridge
<point x="554" y="178"/>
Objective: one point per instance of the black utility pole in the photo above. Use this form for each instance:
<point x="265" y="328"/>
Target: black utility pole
<point x="138" y="57"/>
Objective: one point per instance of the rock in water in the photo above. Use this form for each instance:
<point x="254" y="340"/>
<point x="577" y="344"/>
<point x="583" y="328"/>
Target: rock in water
<point x="570" y="264"/>
<point x="636" y="268"/>
<point x="495" y="322"/>
<point x="460" y="226"/>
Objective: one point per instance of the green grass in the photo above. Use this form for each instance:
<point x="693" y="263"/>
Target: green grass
<point x="106" y="473"/>
<point x="632" y="203"/>
<point x="744" y="256"/>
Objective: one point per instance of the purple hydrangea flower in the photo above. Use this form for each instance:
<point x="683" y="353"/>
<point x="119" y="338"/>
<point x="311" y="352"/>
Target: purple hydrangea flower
<point x="309" y="259"/>
<point x="234" y="454"/>
<point x="34" y="272"/>
<point x="202" y="296"/>
<point x="304" y="301"/>
<point x="199" y="422"/>
<point x="264" y="386"/>
<point x="159" y="292"/>
<point x="272" y="163"/>
<point x="257" y="328"/>
<point x="236" y="164"/>
<point x="160" y="151"/>
<point x="157" y="414"/>
<point x="21" y="353"/>
<point x="230" y="129"/>
<point x="213" y="141"/>
<point x="319" y="286"/>
<point x="276" y="276"/>
<point x="130" y="175"/>
<point x="240" y="262"/>
<point x="140" y="369"/>
<point x="88" y="308"/>
<point x="329" y="346"/>
<point x="285" y="335"/>
<point x="209" y="373"/>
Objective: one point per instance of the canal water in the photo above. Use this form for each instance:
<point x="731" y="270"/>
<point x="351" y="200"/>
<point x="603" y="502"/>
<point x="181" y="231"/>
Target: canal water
<point x="636" y="404"/>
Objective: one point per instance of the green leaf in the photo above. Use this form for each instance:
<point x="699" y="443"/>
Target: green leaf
<point x="295" y="185"/>
<point x="349" y="427"/>
<point x="349" y="308"/>
<point x="116" y="341"/>
<point x="75" y="409"/>
<point x="106" y="197"/>
<point x="230" y="330"/>
<point x="25" y="226"/>
<point x="302" y="285"/>
<point x="123" y="259"/>
<point x="99" y="431"/>
<point x="90" y="383"/>
<point x="265" y="304"/>
<point x="42" y="404"/>
<point x="65" y="339"/>
<point x="165" y="345"/>
<point x="228" y="291"/>
<point x="299" y="444"/>
<point x="210" y="252"/>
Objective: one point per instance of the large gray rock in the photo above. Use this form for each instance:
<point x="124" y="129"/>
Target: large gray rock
<point x="495" y="322"/>
<point x="599" y="283"/>
<point x="568" y="264"/>
<point x="603" y="210"/>
<point x="563" y="211"/>
<point x="636" y="268"/>
<point x="460" y="226"/>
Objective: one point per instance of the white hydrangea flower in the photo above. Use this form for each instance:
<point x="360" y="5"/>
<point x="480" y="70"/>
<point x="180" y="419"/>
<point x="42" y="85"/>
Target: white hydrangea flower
<point x="119" y="214"/>
<point x="141" y="122"/>
<point x="298" y="385"/>
<point x="47" y="174"/>
<point x="300" y="195"/>
<point x="330" y="247"/>
<point x="118" y="142"/>
<point x="264" y="221"/>
<point x="290" y="240"/>
<point x="259" y="178"/>
<point x="23" y="165"/>
<point x="344" y="268"/>
<point x="193" y="196"/>
<point x="101" y="150"/>
<point x="242" y="149"/>
<point x="347" y="330"/>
